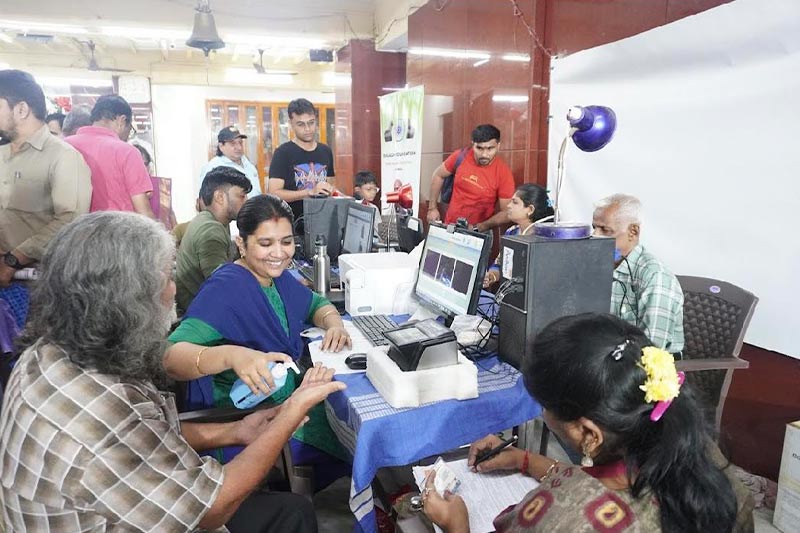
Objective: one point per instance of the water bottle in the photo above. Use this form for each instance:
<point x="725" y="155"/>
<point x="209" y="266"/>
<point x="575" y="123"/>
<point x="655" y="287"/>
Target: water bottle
<point x="243" y="398"/>
<point x="322" y="266"/>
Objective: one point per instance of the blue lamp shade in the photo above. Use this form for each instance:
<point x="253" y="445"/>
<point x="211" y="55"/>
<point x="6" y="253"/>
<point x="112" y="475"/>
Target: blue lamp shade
<point x="594" y="125"/>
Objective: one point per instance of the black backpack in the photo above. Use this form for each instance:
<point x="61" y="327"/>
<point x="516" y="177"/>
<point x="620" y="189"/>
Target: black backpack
<point x="447" y="187"/>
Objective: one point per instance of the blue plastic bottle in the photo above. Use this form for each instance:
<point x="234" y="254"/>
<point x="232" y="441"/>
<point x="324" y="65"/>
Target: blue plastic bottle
<point x="243" y="398"/>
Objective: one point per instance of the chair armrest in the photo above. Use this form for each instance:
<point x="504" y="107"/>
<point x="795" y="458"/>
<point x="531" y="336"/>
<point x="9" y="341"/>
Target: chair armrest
<point x="722" y="363"/>
<point x="218" y="414"/>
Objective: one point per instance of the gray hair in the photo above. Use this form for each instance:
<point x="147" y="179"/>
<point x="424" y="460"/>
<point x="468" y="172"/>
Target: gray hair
<point x="99" y="294"/>
<point x="78" y="117"/>
<point x="629" y="208"/>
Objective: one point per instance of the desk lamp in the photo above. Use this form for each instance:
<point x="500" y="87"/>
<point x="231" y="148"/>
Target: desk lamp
<point x="402" y="195"/>
<point x="590" y="128"/>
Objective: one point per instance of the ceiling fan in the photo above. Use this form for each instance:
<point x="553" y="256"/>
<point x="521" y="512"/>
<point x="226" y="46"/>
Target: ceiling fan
<point x="93" y="66"/>
<point x="260" y="65"/>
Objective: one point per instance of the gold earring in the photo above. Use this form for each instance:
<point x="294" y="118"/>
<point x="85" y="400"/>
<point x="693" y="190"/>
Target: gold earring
<point x="586" y="460"/>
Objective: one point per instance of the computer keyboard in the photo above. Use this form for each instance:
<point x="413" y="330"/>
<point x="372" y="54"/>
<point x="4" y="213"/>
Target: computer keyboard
<point x="373" y="327"/>
<point x="307" y="271"/>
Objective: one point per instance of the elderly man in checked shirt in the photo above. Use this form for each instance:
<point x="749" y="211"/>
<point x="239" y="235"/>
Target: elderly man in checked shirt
<point x="87" y="441"/>
<point x="644" y="292"/>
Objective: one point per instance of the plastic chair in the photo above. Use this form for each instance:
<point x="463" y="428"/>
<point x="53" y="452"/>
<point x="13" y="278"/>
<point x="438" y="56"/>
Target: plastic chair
<point x="715" y="318"/>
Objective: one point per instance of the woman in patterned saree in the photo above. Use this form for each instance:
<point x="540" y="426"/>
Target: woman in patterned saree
<point x="648" y="464"/>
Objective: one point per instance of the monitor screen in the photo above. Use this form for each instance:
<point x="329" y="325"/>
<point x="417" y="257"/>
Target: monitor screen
<point x="327" y="217"/>
<point x="451" y="269"/>
<point x="358" y="229"/>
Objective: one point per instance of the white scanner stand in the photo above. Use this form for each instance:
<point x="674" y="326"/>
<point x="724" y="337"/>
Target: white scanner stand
<point x="412" y="389"/>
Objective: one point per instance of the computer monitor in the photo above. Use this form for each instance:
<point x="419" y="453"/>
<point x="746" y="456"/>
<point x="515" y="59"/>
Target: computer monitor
<point x="358" y="229"/>
<point x="452" y="268"/>
<point x="324" y="216"/>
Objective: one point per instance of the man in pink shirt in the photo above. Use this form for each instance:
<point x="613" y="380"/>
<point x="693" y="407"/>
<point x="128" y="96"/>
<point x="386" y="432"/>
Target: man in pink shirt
<point x="120" y="181"/>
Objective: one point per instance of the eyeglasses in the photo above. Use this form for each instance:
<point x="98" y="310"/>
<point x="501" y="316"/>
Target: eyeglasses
<point x="371" y="189"/>
<point x="132" y="131"/>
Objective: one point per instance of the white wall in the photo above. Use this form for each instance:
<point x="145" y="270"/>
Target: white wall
<point x="181" y="132"/>
<point x="707" y="139"/>
<point x="434" y="108"/>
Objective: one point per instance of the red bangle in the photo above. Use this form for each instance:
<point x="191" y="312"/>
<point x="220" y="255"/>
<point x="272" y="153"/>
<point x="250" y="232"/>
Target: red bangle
<point x="524" y="468"/>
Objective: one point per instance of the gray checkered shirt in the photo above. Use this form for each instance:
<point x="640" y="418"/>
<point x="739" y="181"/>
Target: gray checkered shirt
<point x="85" y="452"/>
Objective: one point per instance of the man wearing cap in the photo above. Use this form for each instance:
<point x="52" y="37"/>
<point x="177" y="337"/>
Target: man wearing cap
<point x="230" y="153"/>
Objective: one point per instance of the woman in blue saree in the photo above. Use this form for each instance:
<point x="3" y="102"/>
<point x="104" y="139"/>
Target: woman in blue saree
<point x="250" y="313"/>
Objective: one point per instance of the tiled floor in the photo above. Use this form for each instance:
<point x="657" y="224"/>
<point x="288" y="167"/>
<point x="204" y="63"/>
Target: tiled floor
<point x="333" y="511"/>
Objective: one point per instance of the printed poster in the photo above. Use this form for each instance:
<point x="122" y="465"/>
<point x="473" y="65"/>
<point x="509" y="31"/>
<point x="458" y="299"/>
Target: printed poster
<point x="401" y="147"/>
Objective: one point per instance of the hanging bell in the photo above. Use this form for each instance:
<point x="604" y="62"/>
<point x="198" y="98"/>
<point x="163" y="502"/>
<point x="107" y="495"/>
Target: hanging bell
<point x="204" y="33"/>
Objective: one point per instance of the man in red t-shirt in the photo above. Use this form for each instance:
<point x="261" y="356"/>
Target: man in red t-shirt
<point x="483" y="183"/>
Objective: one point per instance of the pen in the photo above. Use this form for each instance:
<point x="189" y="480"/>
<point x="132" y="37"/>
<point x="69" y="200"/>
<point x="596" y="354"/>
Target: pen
<point x="486" y="455"/>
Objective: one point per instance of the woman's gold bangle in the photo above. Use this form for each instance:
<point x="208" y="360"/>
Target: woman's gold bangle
<point x="548" y="472"/>
<point x="326" y="315"/>
<point x="197" y="361"/>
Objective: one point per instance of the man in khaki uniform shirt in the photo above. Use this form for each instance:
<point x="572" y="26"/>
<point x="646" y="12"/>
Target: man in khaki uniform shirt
<point x="44" y="182"/>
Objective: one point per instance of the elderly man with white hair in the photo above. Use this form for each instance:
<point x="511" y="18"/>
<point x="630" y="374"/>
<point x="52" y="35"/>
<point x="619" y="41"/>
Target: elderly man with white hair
<point x="644" y="293"/>
<point x="87" y="441"/>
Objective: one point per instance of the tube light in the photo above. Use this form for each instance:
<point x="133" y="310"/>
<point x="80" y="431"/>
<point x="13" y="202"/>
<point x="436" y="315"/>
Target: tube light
<point x="450" y="53"/>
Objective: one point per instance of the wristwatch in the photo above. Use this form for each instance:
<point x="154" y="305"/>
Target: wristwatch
<point x="11" y="260"/>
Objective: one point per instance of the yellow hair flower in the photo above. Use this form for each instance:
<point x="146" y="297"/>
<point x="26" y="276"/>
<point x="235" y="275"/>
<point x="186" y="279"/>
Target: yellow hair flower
<point x="662" y="383"/>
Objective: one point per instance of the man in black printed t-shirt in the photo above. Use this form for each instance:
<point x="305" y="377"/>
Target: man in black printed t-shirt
<point x="301" y="167"/>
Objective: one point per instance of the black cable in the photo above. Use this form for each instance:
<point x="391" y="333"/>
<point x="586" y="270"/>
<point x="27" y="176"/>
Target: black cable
<point x="490" y="313"/>
<point x="635" y="305"/>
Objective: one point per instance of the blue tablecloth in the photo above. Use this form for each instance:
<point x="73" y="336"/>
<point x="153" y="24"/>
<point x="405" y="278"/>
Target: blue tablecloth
<point x="379" y="435"/>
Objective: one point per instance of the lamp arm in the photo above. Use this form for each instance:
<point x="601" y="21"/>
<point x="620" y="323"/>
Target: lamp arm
<point x="562" y="155"/>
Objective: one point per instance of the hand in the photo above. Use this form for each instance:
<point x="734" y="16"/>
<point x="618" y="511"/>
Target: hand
<point x="433" y="214"/>
<point x="450" y="513"/>
<point x="252" y="367"/>
<point x="480" y="226"/>
<point x="316" y="386"/>
<point x="6" y="275"/>
<point x="490" y="278"/>
<point x="250" y="427"/>
<point x="335" y="339"/>
<point x="322" y="188"/>
<point x="508" y="459"/>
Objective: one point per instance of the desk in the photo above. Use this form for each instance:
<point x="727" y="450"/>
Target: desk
<point x="378" y="435"/>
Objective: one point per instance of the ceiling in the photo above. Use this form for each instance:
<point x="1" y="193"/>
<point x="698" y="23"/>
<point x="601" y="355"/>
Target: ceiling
<point x="148" y="37"/>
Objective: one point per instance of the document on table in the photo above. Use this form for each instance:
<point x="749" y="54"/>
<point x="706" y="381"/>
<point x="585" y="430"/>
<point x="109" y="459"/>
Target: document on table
<point x="335" y="360"/>
<point x="486" y="495"/>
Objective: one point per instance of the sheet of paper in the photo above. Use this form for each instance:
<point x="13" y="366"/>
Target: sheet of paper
<point x="485" y="494"/>
<point x="335" y="360"/>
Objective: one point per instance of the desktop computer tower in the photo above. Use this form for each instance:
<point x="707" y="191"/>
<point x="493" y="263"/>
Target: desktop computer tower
<point x="555" y="278"/>
<point x="324" y="216"/>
